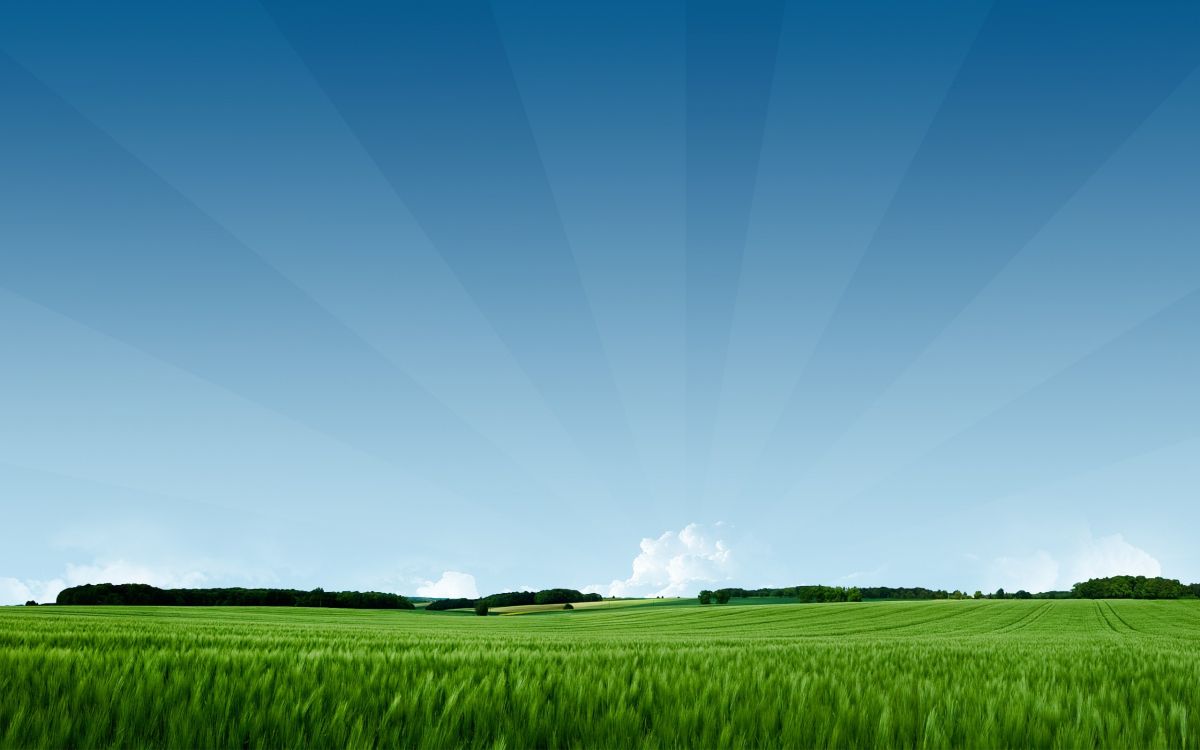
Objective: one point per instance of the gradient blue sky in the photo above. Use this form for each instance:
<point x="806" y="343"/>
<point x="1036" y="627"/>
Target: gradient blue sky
<point x="433" y="297"/>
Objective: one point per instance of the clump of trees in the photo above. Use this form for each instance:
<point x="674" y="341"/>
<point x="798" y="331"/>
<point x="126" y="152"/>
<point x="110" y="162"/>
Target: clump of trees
<point x="442" y="604"/>
<point x="517" y="599"/>
<point x="481" y="608"/>
<point x="805" y="594"/>
<point x="1023" y="594"/>
<point x="720" y="596"/>
<point x="1113" y="587"/>
<point x="815" y="594"/>
<point x="1134" y="587"/>
<point x="563" y="596"/>
<point x="810" y="594"/>
<point x="140" y="594"/>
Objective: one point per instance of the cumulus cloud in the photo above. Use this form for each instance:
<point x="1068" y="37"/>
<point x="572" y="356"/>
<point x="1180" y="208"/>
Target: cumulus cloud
<point x="15" y="591"/>
<point x="1110" y="556"/>
<point x="452" y="585"/>
<point x="1036" y="572"/>
<point x="120" y="571"/>
<point x="675" y="564"/>
<point x="1091" y="558"/>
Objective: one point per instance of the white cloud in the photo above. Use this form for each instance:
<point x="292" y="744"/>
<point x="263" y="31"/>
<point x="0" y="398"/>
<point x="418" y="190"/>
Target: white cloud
<point x="674" y="564"/>
<point x="452" y="585"/>
<point x="1110" y="556"/>
<point x="14" y="591"/>
<point x="120" y="571"/>
<point x="1037" y="572"/>
<point x="860" y="575"/>
<point x="1092" y="558"/>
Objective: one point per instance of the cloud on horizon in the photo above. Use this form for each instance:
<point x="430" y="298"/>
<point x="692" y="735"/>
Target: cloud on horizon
<point x="452" y="585"/>
<point x="1092" y="558"/>
<point x="675" y="564"/>
<point x="16" y="591"/>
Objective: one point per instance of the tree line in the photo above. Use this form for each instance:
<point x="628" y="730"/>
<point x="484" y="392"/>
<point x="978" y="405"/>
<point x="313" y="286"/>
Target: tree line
<point x="1134" y="587"/>
<point x="1113" y="587"/>
<point x="812" y="594"/>
<point x="140" y="594"/>
<point x="516" y="599"/>
<point x="804" y="594"/>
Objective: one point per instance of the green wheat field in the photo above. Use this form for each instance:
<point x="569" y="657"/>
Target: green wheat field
<point x="1034" y="673"/>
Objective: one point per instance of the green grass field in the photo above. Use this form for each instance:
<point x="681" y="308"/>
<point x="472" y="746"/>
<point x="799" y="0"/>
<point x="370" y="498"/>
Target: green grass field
<point x="530" y="609"/>
<point x="1068" y="673"/>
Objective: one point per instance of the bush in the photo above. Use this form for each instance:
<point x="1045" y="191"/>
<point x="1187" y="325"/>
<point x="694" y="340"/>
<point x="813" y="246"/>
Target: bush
<point x="481" y="608"/>
<point x="568" y="606"/>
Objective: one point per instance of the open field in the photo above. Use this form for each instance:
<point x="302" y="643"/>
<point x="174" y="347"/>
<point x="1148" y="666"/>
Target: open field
<point x="1070" y="673"/>
<point x="529" y="609"/>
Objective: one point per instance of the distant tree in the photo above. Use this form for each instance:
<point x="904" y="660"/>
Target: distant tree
<point x="514" y="599"/>
<point x="140" y="594"/>
<point x="999" y="594"/>
<point x="481" y="608"/>
<point x="1022" y="594"/>
<point x="853" y="594"/>
<point x="568" y="606"/>
<point x="31" y="603"/>
<point x="439" y="605"/>
<point x="723" y="596"/>
<point x="1130" y="587"/>
<point x="706" y="597"/>
<point x="1052" y="595"/>
<point x="978" y="594"/>
<point x="560" y="596"/>
<point x="1121" y="587"/>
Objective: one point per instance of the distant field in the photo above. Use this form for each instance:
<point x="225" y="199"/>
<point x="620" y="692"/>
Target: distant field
<point x="526" y="609"/>
<point x="1071" y="673"/>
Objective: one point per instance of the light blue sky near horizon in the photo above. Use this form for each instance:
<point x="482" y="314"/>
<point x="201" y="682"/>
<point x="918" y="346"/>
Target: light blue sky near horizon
<point x="310" y="294"/>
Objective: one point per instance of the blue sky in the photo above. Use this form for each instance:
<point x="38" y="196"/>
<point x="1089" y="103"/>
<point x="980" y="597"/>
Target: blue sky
<point x="643" y="297"/>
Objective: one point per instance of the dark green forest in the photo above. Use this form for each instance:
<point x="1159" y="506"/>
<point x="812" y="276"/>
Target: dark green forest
<point x="1134" y="587"/>
<point x="516" y="599"/>
<point x="141" y="594"/>
<point x="1114" y="587"/>
<point x="815" y="593"/>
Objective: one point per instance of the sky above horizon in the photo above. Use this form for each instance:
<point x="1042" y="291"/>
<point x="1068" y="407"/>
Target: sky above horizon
<point x="638" y="297"/>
